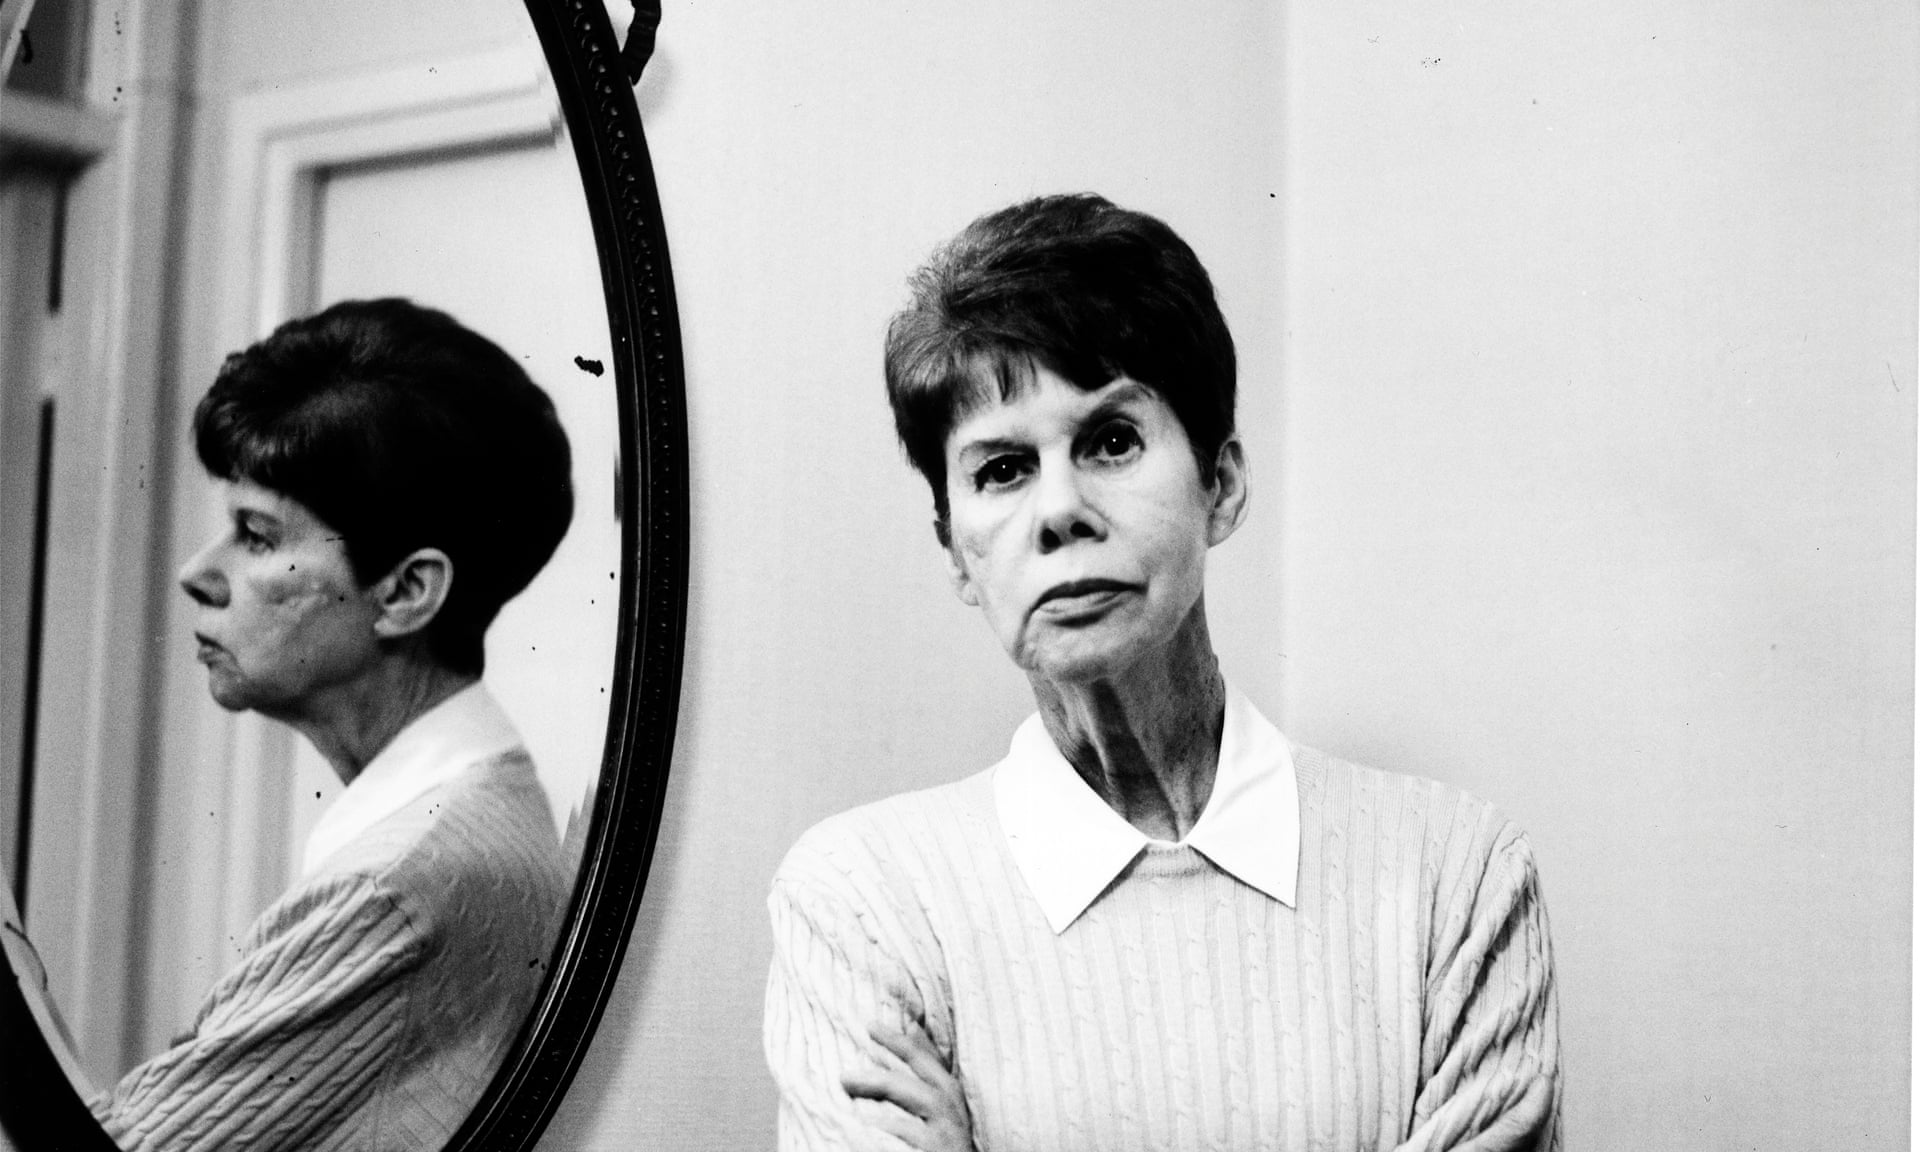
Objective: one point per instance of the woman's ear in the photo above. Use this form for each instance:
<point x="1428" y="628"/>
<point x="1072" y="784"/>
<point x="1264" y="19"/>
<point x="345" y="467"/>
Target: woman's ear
<point x="412" y="593"/>
<point x="1230" y="491"/>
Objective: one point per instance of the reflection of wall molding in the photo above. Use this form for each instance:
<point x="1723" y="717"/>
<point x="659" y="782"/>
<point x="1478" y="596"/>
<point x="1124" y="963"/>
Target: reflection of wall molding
<point x="43" y="131"/>
<point x="280" y="144"/>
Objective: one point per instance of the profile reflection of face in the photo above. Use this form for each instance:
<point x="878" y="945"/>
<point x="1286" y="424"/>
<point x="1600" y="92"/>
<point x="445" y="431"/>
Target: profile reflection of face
<point x="281" y="614"/>
<point x="1080" y="524"/>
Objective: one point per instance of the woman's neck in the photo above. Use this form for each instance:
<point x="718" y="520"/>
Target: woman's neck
<point x="352" y="722"/>
<point x="1146" y="740"/>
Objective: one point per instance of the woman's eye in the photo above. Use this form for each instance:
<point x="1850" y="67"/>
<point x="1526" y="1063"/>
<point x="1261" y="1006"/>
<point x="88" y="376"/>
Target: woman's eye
<point x="1115" y="441"/>
<point x="998" y="472"/>
<point x="249" y="539"/>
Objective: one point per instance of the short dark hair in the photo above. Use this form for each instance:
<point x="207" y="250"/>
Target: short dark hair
<point x="401" y="429"/>
<point x="1088" y="290"/>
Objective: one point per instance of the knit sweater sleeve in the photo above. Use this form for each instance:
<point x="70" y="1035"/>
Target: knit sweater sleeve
<point x="1491" y="1049"/>
<point x="293" y="1040"/>
<point x="846" y="957"/>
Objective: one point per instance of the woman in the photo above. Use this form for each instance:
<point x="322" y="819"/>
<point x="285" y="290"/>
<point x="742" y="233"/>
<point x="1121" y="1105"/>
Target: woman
<point x="1157" y="923"/>
<point x="391" y="479"/>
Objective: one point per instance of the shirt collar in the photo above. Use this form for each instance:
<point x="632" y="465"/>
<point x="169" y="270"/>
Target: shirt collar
<point x="460" y="731"/>
<point x="1069" y="845"/>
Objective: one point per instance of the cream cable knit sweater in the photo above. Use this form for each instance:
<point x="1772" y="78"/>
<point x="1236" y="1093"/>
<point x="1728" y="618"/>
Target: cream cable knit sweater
<point x="1407" y="1003"/>
<point x="375" y="1000"/>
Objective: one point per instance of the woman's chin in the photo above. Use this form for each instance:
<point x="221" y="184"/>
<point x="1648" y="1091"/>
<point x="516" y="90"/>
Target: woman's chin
<point x="1079" y="660"/>
<point x="236" y="693"/>
<point x="228" y="696"/>
<point x="1111" y="650"/>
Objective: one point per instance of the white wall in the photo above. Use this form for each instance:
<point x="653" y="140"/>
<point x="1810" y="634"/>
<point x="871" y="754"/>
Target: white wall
<point x="1599" y="495"/>
<point x="1579" y="368"/>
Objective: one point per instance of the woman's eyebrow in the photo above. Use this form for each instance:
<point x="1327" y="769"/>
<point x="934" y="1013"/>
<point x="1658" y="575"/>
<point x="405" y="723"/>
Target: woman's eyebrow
<point x="1115" y="403"/>
<point x="255" y="518"/>
<point x="988" y="446"/>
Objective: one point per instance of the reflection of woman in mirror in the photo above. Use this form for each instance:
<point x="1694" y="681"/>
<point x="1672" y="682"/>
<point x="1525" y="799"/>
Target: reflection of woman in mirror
<point x="391" y="479"/>
<point x="1157" y="923"/>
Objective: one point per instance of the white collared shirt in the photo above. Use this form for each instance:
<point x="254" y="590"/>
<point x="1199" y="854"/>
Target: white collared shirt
<point x="1069" y="845"/>
<point x="452" y="736"/>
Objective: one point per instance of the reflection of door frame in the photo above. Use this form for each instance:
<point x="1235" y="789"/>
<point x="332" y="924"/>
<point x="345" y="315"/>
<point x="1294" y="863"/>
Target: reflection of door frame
<point x="102" y="355"/>
<point x="279" y="146"/>
<point x="278" y="149"/>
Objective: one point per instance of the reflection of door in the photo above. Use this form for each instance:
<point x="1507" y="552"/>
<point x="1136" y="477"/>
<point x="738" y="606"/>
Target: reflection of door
<point x="47" y="136"/>
<point x="89" y="133"/>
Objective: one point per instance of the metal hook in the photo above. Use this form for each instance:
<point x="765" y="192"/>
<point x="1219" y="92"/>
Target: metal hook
<point x="640" y="36"/>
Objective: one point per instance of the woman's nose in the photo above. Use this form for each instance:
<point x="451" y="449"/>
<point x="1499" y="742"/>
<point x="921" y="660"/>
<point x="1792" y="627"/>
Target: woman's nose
<point x="202" y="580"/>
<point x="1063" y="513"/>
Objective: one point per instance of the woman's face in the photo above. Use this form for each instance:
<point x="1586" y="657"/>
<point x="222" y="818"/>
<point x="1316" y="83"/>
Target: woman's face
<point x="1080" y="525"/>
<point x="281" y="614"/>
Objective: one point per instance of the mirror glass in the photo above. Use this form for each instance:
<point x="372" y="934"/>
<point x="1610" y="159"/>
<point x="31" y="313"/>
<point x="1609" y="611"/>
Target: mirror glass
<point x="173" y="185"/>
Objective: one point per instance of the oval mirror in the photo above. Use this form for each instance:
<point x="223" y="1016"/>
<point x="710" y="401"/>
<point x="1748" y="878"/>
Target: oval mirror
<point x="176" y="181"/>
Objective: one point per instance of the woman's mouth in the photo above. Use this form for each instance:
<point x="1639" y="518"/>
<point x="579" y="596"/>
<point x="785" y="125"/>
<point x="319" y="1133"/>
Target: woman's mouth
<point x="1079" y="597"/>
<point x="207" y="648"/>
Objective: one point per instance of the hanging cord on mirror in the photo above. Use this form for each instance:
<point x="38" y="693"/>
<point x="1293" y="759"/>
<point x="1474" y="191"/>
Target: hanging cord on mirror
<point x="640" y="35"/>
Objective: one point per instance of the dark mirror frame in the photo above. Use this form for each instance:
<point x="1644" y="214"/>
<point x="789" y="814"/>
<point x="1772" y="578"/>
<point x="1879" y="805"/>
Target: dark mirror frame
<point x="40" y="1109"/>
